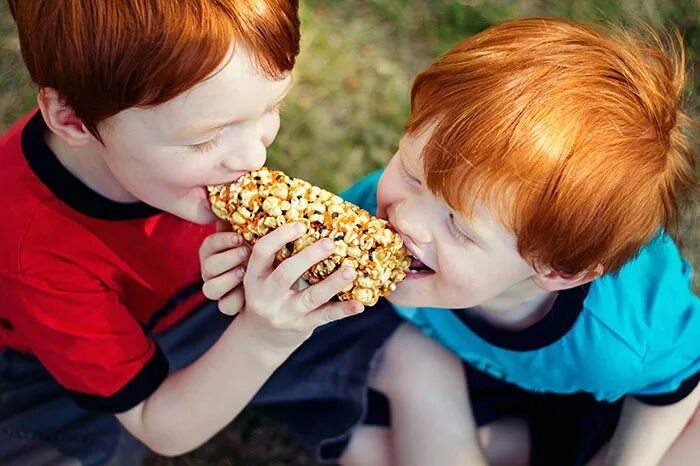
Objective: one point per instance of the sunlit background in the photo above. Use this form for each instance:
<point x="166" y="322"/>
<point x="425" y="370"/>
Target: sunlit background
<point x="344" y="117"/>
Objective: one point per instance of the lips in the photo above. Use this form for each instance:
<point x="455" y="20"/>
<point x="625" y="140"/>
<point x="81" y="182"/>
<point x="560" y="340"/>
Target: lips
<point x="417" y="266"/>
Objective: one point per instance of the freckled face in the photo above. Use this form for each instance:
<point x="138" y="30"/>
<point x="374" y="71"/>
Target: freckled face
<point x="459" y="263"/>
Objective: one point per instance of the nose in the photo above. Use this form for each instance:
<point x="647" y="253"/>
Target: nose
<point x="412" y="217"/>
<point x="247" y="160"/>
<point x="249" y="154"/>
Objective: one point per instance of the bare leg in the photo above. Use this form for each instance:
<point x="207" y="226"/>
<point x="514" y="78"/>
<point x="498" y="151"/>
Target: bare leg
<point x="369" y="446"/>
<point x="686" y="449"/>
<point x="505" y="442"/>
<point x="430" y="413"/>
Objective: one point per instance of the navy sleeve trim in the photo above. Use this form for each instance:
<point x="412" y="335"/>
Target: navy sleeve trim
<point x="138" y="389"/>
<point x="684" y="390"/>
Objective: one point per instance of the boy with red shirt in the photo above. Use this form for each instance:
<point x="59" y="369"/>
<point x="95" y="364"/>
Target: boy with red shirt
<point x="141" y="106"/>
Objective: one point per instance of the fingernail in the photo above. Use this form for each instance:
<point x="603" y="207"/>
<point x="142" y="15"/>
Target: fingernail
<point x="244" y="252"/>
<point x="300" y="228"/>
<point x="328" y="244"/>
<point x="348" y="273"/>
<point x="358" y="308"/>
<point x="236" y="239"/>
<point x="240" y="272"/>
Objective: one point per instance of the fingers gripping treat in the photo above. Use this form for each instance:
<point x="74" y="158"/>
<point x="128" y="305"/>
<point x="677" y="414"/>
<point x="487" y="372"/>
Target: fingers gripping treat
<point x="265" y="199"/>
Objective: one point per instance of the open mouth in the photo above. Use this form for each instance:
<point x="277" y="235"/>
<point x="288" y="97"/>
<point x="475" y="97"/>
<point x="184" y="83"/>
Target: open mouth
<point x="418" y="268"/>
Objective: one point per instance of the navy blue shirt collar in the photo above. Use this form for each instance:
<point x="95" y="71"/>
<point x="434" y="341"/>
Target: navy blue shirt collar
<point x="67" y="187"/>
<point x="553" y="326"/>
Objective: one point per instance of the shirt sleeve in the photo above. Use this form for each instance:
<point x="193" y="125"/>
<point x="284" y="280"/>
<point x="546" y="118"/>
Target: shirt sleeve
<point x="671" y="369"/>
<point x="363" y="193"/>
<point x="684" y="389"/>
<point x="86" y="338"/>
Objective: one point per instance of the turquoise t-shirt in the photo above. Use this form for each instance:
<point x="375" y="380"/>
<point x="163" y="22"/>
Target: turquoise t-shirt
<point x="636" y="332"/>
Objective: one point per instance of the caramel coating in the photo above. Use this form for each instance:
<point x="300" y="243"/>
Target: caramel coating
<point x="265" y="199"/>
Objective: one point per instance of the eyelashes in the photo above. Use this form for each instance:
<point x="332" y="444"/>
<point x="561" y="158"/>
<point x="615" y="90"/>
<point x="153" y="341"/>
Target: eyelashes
<point x="206" y="146"/>
<point x="456" y="232"/>
<point x="406" y="176"/>
<point x="213" y="143"/>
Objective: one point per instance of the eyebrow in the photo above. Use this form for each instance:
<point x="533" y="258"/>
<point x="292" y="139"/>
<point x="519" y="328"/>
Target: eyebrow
<point x="191" y="133"/>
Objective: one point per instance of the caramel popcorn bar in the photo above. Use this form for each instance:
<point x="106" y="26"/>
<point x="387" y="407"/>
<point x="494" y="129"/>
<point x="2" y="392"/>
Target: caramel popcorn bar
<point x="264" y="199"/>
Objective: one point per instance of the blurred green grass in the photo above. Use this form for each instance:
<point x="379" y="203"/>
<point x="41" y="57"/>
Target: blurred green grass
<point x="345" y="114"/>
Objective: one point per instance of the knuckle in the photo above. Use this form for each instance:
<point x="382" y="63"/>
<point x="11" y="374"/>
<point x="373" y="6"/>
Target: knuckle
<point x="282" y="275"/>
<point x="203" y="250"/>
<point x="328" y="317"/>
<point x="264" y="246"/>
<point x="309" y="300"/>
<point x="242" y="253"/>
<point x="207" y="269"/>
<point x="277" y="321"/>
<point x="209" y="244"/>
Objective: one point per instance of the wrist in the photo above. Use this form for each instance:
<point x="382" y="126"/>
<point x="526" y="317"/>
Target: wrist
<point x="270" y="346"/>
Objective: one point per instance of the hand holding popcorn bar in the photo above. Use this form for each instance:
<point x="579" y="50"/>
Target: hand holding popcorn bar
<point x="264" y="199"/>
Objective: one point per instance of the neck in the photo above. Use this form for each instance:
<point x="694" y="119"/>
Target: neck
<point x="88" y="165"/>
<point x="521" y="307"/>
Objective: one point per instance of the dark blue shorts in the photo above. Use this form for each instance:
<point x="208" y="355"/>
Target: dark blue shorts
<point x="565" y="429"/>
<point x="321" y="392"/>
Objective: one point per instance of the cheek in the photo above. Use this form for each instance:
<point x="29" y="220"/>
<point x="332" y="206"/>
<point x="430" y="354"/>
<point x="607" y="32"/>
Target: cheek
<point x="271" y="126"/>
<point x="129" y="159"/>
<point x="155" y="166"/>
<point x="467" y="265"/>
<point x="388" y="189"/>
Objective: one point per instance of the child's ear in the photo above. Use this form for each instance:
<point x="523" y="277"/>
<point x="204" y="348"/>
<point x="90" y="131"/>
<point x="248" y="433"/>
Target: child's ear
<point x="62" y="120"/>
<point x="554" y="280"/>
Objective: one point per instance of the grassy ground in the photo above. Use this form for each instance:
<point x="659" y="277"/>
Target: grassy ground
<point x="345" y="114"/>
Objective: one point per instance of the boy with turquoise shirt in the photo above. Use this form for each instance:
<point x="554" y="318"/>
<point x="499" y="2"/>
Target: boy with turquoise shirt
<point x="536" y="186"/>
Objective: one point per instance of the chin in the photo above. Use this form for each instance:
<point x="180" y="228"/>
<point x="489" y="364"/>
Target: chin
<point x="199" y="215"/>
<point x="404" y="298"/>
<point x="199" y="212"/>
<point x="202" y="218"/>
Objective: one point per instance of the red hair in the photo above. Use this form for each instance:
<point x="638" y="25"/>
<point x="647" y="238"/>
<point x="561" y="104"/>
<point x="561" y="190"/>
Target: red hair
<point x="105" y="56"/>
<point x="575" y="136"/>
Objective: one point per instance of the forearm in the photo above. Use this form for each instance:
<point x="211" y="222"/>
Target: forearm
<point x="196" y="402"/>
<point x="645" y="433"/>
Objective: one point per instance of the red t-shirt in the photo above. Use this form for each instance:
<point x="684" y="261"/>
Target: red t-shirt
<point x="83" y="278"/>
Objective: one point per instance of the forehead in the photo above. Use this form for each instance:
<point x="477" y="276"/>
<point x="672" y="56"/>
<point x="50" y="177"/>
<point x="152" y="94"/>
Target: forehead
<point x="237" y="90"/>
<point x="412" y="144"/>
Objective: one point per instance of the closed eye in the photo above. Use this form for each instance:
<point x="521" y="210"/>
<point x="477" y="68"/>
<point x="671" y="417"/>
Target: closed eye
<point x="407" y="176"/>
<point x="456" y="232"/>
<point x="206" y="146"/>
